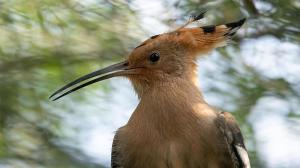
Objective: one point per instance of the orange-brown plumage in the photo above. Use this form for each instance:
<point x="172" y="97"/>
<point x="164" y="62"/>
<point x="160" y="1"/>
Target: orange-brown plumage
<point x="173" y="126"/>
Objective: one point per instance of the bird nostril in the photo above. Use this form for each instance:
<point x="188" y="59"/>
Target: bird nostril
<point x="126" y="64"/>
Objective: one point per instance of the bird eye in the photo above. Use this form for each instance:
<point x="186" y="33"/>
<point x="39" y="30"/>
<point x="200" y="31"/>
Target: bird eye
<point x="154" y="57"/>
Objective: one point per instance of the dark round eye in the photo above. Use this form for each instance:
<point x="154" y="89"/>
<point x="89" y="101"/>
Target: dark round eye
<point x="154" y="57"/>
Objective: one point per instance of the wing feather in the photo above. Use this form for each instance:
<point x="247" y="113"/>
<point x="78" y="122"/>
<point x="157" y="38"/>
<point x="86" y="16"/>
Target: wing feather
<point x="115" y="154"/>
<point x="234" y="140"/>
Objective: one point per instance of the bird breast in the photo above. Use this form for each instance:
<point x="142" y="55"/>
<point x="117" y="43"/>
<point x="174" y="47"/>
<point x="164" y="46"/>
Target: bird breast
<point x="184" y="148"/>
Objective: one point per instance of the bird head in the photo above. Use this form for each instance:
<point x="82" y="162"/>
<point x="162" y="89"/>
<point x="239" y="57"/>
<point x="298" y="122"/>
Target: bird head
<point x="161" y="58"/>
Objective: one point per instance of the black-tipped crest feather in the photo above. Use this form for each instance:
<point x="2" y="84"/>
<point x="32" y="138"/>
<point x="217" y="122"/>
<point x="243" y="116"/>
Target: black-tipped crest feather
<point x="199" y="16"/>
<point x="233" y="25"/>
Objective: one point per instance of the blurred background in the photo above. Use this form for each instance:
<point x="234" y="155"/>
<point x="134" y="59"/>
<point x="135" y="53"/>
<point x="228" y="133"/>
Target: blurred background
<point x="46" y="43"/>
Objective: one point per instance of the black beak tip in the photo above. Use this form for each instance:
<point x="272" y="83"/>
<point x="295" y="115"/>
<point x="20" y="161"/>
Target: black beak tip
<point x="54" y="98"/>
<point x="51" y="98"/>
<point x="53" y="95"/>
<point x="236" y="24"/>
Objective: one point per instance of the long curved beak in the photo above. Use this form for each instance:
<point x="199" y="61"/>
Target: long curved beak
<point x="119" y="69"/>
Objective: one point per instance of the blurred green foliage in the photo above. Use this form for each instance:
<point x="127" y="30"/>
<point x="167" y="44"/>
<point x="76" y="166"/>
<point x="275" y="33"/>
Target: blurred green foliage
<point x="44" y="43"/>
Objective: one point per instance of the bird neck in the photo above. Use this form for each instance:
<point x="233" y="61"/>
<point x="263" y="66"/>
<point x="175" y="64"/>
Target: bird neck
<point x="185" y="80"/>
<point x="175" y="103"/>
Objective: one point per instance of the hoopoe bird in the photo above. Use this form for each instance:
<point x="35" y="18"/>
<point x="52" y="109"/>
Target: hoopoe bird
<point x="172" y="126"/>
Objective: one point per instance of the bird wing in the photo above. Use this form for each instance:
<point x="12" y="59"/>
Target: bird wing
<point x="115" y="154"/>
<point x="234" y="139"/>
